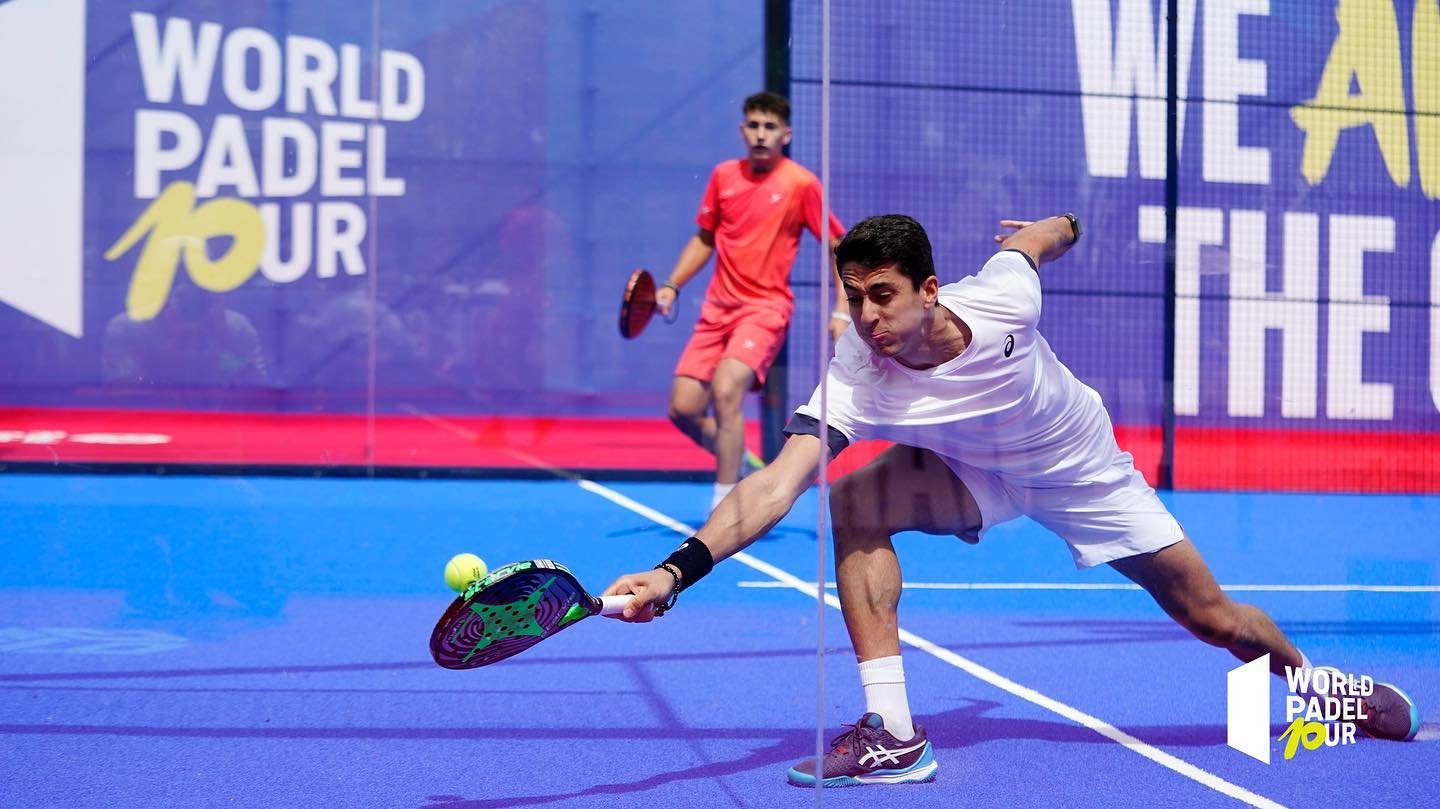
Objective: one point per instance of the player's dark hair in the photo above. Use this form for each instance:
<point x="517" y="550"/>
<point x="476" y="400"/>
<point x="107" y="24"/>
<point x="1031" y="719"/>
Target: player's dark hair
<point x="888" y="239"/>
<point x="766" y="101"/>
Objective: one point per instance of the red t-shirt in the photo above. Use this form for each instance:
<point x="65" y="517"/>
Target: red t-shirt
<point x="757" y="218"/>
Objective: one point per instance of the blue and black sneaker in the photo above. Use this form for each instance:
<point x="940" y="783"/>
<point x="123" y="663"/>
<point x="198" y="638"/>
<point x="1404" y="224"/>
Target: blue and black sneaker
<point x="1390" y="714"/>
<point x="868" y="754"/>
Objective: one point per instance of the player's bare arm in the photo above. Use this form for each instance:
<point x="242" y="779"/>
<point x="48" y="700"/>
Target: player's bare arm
<point x="693" y="256"/>
<point x="757" y="504"/>
<point x="762" y="499"/>
<point x="1045" y="240"/>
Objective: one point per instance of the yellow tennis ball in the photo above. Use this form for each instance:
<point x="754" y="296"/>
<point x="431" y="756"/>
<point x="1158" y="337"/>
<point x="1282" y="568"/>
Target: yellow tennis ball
<point x="462" y="569"/>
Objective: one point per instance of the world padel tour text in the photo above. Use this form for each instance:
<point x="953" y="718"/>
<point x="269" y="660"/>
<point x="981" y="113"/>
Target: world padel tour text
<point x="1120" y="49"/>
<point x="238" y="156"/>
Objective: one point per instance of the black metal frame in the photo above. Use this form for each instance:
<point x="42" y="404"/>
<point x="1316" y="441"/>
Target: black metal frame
<point x="1166" y="472"/>
<point x="774" y="400"/>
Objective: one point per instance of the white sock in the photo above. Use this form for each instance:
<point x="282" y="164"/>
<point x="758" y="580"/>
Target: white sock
<point x="884" y="682"/>
<point x="722" y="490"/>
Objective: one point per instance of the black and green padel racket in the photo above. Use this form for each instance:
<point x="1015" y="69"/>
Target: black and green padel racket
<point x="512" y="609"/>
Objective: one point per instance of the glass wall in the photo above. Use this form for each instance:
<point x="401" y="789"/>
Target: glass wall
<point x="302" y="234"/>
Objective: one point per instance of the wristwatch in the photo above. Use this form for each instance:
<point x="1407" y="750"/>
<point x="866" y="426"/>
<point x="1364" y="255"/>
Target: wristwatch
<point x="1074" y="224"/>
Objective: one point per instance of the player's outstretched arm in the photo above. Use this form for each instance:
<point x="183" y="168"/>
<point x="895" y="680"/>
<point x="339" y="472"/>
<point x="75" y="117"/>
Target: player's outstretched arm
<point x="1045" y="240"/>
<point x="748" y="513"/>
<point x="762" y="499"/>
<point x="693" y="256"/>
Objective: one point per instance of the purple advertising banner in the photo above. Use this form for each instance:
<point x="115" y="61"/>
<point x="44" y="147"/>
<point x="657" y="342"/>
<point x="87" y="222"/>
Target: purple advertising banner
<point x="266" y="208"/>
<point x="1309" y="158"/>
<point x="318" y="207"/>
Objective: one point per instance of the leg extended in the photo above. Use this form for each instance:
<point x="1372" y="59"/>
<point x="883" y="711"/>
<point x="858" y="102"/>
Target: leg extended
<point x="1182" y="584"/>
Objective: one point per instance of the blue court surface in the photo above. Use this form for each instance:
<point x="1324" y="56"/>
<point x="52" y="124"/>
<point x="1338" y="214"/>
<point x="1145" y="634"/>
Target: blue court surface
<point x="263" y="642"/>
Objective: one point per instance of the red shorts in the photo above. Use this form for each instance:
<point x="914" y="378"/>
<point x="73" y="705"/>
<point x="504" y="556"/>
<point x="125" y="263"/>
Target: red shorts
<point x="749" y="333"/>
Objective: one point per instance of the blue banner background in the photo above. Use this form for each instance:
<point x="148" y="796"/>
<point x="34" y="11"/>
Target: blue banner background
<point x="560" y="146"/>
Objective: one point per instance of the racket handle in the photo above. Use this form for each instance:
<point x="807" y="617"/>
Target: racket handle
<point x="613" y="605"/>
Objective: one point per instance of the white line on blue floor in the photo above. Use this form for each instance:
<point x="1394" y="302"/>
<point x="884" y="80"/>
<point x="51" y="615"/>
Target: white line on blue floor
<point x="1040" y="585"/>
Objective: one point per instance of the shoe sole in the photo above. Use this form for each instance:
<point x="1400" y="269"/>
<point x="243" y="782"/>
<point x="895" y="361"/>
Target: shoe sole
<point x="920" y="775"/>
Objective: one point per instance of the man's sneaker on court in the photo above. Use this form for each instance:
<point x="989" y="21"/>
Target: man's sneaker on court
<point x="1390" y="714"/>
<point x="868" y="754"/>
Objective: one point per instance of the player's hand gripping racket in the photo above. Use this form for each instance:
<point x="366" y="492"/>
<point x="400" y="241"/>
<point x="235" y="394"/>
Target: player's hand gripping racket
<point x="638" y="305"/>
<point x="512" y="609"/>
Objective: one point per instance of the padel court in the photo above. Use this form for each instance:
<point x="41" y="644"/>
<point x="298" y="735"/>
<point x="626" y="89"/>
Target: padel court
<point x="231" y="641"/>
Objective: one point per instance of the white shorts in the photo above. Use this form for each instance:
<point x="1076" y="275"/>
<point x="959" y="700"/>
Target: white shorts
<point x="1110" y="517"/>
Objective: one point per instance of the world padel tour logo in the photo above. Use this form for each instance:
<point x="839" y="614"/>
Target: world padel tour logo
<point x="254" y="153"/>
<point x="1321" y="709"/>
<point x="319" y="135"/>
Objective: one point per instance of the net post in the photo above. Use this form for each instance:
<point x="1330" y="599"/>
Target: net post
<point x="1165" y="475"/>
<point x="775" y="397"/>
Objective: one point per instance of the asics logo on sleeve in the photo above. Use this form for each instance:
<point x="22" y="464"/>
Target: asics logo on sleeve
<point x="1009" y="344"/>
<point x="875" y="756"/>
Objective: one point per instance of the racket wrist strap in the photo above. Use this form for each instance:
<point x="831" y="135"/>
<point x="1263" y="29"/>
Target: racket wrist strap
<point x="693" y="560"/>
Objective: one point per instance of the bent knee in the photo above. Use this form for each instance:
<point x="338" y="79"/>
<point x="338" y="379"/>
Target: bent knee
<point x="847" y="491"/>
<point x="857" y="508"/>
<point x="729" y="399"/>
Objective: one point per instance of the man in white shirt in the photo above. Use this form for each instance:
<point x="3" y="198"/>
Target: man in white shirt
<point x="988" y="424"/>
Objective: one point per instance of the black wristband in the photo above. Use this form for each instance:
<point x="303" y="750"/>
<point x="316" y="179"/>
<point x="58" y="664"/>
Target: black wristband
<point x="1074" y="225"/>
<point x="692" y="559"/>
<point x="672" y="285"/>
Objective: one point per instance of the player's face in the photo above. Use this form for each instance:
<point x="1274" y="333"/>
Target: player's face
<point x="889" y="312"/>
<point x="765" y="135"/>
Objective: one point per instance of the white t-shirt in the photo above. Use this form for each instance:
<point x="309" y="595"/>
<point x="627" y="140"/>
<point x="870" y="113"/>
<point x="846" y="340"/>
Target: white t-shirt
<point x="1005" y="405"/>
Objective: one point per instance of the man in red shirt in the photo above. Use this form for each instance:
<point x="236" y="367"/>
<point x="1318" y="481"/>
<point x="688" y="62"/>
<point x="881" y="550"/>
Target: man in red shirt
<point x="750" y="217"/>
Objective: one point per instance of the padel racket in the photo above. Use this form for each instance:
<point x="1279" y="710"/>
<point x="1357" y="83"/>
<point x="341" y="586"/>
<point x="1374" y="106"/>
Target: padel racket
<point x="512" y="609"/>
<point x="638" y="304"/>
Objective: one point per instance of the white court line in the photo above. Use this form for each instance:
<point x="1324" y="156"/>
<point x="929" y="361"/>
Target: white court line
<point x="1100" y="726"/>
<point x="1234" y="588"/>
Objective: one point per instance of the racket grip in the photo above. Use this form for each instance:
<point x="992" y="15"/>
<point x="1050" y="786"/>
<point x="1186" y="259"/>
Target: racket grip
<point x="613" y="605"/>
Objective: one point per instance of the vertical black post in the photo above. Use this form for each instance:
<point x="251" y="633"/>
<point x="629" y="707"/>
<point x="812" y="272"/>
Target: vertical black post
<point x="774" y="400"/>
<point x="1172" y="204"/>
